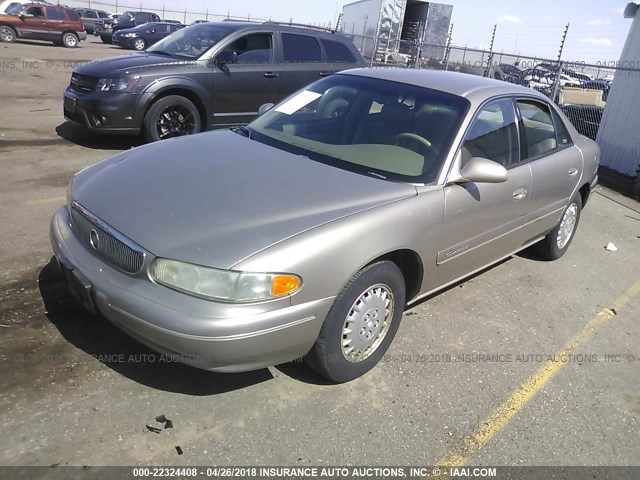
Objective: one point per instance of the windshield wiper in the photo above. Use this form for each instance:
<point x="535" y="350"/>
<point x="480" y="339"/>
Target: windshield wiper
<point x="243" y="131"/>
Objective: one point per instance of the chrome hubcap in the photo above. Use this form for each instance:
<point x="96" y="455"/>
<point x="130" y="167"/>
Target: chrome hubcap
<point x="70" y="40"/>
<point x="139" y="45"/>
<point x="367" y="323"/>
<point x="567" y="226"/>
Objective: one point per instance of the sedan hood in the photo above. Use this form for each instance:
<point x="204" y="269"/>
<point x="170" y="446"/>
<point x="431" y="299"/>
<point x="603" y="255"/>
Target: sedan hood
<point x="216" y="198"/>
<point x="125" y="64"/>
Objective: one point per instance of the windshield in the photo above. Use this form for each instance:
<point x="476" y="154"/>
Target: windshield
<point x="191" y="42"/>
<point x="144" y="26"/>
<point x="126" y="16"/>
<point x="14" y="8"/>
<point x="388" y="129"/>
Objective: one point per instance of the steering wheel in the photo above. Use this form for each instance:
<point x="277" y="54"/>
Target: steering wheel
<point x="413" y="142"/>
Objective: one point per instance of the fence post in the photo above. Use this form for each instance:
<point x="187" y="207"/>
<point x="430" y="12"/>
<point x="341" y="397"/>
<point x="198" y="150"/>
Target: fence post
<point x="163" y="6"/>
<point x="206" y="16"/>
<point x="185" y="16"/>
<point x="556" y="83"/>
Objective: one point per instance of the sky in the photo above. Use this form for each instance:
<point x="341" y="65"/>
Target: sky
<point x="597" y="30"/>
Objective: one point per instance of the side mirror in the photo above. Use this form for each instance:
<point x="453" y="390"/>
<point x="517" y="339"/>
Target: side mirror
<point x="264" y="108"/>
<point x="22" y="16"/>
<point x="225" y="57"/>
<point x="481" y="170"/>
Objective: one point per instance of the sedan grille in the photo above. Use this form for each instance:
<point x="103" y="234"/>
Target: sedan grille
<point x="106" y="242"/>
<point x="83" y="83"/>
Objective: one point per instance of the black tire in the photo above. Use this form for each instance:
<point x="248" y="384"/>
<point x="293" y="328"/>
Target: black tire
<point x="328" y="356"/>
<point x="554" y="245"/>
<point x="169" y="117"/>
<point x="106" y="39"/>
<point x="139" y="44"/>
<point x="70" y="40"/>
<point x="7" y="34"/>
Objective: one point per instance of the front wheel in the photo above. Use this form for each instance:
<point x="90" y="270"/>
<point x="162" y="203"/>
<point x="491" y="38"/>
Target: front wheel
<point x="361" y="324"/>
<point x="7" y="34"/>
<point x="557" y="242"/>
<point x="106" y="39"/>
<point x="139" y="44"/>
<point x="70" y="40"/>
<point x="172" y="116"/>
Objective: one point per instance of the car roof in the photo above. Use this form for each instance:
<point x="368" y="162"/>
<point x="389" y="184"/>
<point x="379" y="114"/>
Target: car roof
<point x="461" y="84"/>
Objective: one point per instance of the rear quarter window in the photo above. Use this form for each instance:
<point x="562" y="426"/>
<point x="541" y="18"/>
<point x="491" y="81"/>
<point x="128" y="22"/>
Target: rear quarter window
<point x="73" y="16"/>
<point x="338" y="52"/>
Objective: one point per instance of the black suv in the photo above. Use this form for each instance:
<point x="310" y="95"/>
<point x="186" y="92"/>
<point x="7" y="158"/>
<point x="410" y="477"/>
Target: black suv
<point x="126" y="20"/>
<point x="205" y="76"/>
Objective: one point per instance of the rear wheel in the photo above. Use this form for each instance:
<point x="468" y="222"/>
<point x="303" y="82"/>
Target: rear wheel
<point x="139" y="44"/>
<point x="106" y="39"/>
<point x="361" y="324"/>
<point x="70" y="40"/>
<point x="172" y="116"/>
<point x="7" y="34"/>
<point x="557" y="242"/>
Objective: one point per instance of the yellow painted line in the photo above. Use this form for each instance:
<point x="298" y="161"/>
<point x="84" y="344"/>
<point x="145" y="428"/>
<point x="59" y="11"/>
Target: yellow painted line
<point x="501" y="416"/>
<point x="44" y="201"/>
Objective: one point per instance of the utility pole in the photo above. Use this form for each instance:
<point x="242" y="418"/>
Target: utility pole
<point x="556" y="83"/>
<point x="487" y="71"/>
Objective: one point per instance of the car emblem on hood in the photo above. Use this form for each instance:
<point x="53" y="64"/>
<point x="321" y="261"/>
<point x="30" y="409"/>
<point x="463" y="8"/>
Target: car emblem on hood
<point x="94" y="239"/>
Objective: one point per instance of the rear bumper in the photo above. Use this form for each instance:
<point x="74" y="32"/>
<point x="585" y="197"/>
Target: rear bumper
<point x="204" y="334"/>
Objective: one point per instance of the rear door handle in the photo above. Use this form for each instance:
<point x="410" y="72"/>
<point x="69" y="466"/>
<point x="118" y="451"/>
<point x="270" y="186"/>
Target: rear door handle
<point x="573" y="172"/>
<point x="271" y="75"/>
<point x="325" y="74"/>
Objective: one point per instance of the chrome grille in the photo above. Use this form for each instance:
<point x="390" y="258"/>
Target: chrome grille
<point x="83" y="83"/>
<point x="119" y="252"/>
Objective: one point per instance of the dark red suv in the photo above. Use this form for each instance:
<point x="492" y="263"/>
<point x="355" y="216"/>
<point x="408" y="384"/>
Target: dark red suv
<point x="59" y="25"/>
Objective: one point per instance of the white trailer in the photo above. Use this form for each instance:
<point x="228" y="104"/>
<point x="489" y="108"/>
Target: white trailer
<point x="384" y="29"/>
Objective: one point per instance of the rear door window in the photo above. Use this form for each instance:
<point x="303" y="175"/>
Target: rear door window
<point x="300" y="48"/>
<point x="54" y="13"/>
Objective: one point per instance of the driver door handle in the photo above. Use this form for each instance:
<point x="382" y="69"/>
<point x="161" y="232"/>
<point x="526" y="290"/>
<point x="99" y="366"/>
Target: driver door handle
<point x="573" y="172"/>
<point x="519" y="194"/>
<point x="271" y="75"/>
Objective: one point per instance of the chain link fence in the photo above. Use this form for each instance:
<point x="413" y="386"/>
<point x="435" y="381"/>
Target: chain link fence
<point x="582" y="90"/>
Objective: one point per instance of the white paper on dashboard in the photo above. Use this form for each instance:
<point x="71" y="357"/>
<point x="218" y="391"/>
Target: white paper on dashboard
<point x="303" y="99"/>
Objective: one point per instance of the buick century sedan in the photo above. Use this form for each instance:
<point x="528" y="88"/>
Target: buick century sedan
<point x="308" y="232"/>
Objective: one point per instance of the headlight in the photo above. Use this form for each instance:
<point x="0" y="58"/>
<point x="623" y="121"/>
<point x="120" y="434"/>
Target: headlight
<point x="224" y="285"/>
<point x="124" y="84"/>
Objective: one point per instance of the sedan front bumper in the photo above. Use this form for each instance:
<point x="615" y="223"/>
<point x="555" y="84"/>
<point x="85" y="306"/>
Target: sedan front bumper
<point x="204" y="334"/>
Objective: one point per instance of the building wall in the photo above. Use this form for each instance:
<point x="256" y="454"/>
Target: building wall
<point x="619" y="133"/>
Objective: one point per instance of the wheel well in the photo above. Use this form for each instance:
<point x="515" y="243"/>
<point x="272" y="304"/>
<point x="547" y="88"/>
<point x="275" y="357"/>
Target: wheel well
<point x="68" y="31"/>
<point x="183" y="92"/>
<point x="410" y="265"/>
<point x="585" y="191"/>
<point x="9" y="26"/>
